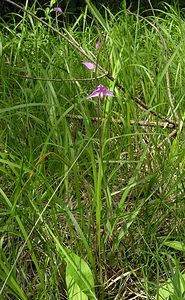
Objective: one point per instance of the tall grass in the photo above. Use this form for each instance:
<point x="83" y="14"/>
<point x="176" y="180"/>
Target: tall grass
<point x="63" y="209"/>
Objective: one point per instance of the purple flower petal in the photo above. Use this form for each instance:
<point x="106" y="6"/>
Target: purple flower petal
<point x="89" y="65"/>
<point x="98" y="44"/>
<point x="101" y="92"/>
<point x="58" y="10"/>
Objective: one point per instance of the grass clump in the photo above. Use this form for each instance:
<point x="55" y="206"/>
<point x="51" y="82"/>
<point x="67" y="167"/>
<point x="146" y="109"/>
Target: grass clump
<point x="92" y="195"/>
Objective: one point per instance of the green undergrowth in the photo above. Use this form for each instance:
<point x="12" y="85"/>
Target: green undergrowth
<point x="80" y="210"/>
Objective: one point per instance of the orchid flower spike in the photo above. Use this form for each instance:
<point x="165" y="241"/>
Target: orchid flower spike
<point x="98" y="43"/>
<point x="101" y="92"/>
<point x="58" y="10"/>
<point x="89" y="65"/>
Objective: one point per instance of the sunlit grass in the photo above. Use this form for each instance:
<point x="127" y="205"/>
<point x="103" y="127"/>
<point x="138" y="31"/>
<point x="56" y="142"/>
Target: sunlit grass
<point x="115" y="210"/>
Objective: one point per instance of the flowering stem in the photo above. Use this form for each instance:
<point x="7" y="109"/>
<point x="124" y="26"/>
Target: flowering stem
<point x="101" y="92"/>
<point x="99" y="186"/>
<point x="99" y="130"/>
<point x="56" y="19"/>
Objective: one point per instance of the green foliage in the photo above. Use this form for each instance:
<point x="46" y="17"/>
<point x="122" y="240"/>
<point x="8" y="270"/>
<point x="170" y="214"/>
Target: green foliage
<point x="175" y="245"/>
<point x="79" y="278"/>
<point x="86" y="205"/>
<point x="174" y="288"/>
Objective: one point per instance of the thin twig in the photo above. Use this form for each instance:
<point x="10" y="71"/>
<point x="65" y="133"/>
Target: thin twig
<point x="132" y="122"/>
<point x="140" y="103"/>
<point x="172" y="134"/>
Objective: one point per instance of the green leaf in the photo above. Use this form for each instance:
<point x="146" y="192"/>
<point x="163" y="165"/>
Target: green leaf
<point x="73" y="290"/>
<point x="82" y="237"/>
<point x="77" y="268"/>
<point x="174" y="150"/>
<point x="175" y="245"/>
<point x="167" y="290"/>
<point x="95" y="12"/>
<point x="13" y="284"/>
<point x="80" y="272"/>
<point x="1" y="49"/>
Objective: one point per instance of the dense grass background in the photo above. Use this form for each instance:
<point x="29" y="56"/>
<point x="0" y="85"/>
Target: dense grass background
<point x="115" y="205"/>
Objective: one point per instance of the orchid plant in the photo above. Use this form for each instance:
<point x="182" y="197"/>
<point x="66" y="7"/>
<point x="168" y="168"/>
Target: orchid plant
<point x="58" y="12"/>
<point x="101" y="92"/>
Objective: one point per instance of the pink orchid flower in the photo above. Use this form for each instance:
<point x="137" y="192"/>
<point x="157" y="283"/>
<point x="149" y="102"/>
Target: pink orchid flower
<point x="101" y="92"/>
<point x="98" y="43"/>
<point x="58" y="10"/>
<point x="89" y="65"/>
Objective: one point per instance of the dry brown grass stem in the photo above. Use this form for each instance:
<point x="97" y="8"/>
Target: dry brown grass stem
<point x="132" y="122"/>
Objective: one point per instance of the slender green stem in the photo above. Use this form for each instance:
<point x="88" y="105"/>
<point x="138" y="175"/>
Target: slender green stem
<point x="99" y="123"/>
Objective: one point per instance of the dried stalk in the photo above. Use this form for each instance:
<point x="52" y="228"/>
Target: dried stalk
<point x="132" y="122"/>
